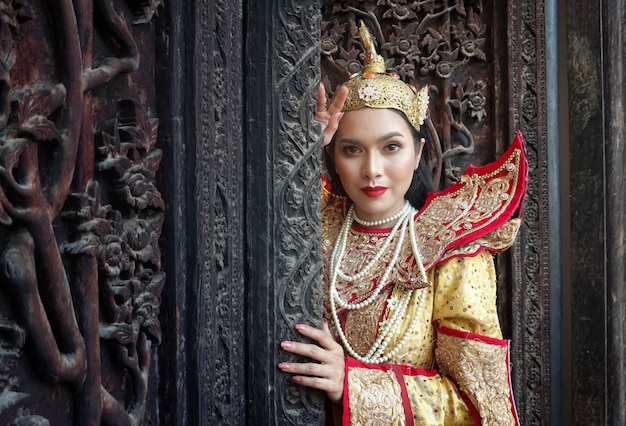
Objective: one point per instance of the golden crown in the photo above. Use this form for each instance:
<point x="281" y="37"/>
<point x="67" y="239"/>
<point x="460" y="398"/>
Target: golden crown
<point x="375" y="88"/>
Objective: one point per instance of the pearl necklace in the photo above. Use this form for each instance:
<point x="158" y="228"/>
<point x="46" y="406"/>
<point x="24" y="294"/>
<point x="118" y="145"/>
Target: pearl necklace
<point x="379" y="222"/>
<point x="340" y="248"/>
<point x="376" y="354"/>
<point x="340" y="244"/>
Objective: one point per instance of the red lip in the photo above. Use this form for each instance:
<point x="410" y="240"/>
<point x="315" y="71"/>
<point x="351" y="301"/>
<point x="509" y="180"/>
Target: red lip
<point x="374" y="191"/>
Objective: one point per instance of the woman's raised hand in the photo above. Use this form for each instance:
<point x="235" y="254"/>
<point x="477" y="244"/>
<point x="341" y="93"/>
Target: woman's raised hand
<point x="327" y="372"/>
<point x="329" y="118"/>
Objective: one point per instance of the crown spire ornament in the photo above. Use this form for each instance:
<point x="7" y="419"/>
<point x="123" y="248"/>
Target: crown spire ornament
<point x="373" y="87"/>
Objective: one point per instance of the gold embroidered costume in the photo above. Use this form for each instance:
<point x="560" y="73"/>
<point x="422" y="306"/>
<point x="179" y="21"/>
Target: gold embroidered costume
<point x="445" y="362"/>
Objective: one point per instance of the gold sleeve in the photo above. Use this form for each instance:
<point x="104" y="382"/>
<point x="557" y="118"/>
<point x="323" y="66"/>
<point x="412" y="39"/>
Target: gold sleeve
<point x="401" y="395"/>
<point x="465" y="295"/>
<point x="470" y="349"/>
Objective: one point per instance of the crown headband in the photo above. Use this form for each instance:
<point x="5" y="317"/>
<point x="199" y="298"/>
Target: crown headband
<point x="373" y="87"/>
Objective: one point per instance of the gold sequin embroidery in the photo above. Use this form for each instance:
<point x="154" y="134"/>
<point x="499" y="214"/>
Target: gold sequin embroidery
<point x="481" y="371"/>
<point x="376" y="396"/>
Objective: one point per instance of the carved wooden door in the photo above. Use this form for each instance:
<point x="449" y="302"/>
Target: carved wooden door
<point x="159" y="164"/>
<point x="485" y="63"/>
<point x="133" y="147"/>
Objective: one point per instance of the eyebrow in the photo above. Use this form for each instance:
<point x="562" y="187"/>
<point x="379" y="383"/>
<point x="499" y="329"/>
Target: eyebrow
<point x="381" y="139"/>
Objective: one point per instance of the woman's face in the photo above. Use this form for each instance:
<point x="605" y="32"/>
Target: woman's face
<point x="375" y="158"/>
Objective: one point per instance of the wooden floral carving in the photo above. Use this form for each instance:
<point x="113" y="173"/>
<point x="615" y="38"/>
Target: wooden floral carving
<point x="80" y="222"/>
<point x="427" y="43"/>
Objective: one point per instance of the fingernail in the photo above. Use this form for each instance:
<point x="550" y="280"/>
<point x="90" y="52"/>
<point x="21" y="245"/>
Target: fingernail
<point x="283" y="366"/>
<point x="285" y="345"/>
<point x="300" y="326"/>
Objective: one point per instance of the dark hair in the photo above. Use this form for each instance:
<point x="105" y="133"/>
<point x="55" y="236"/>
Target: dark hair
<point x="421" y="184"/>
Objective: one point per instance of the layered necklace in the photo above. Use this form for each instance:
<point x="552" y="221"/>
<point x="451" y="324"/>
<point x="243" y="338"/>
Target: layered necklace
<point x="379" y="352"/>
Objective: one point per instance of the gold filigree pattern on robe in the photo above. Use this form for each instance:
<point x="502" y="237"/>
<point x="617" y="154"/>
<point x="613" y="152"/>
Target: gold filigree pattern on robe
<point x="457" y="232"/>
<point x="375" y="397"/>
<point x="363" y="326"/>
<point x="481" y="371"/>
<point x="479" y="204"/>
<point x="472" y="215"/>
<point x="376" y="393"/>
<point x="361" y="247"/>
<point x="498" y="240"/>
<point x="361" y="329"/>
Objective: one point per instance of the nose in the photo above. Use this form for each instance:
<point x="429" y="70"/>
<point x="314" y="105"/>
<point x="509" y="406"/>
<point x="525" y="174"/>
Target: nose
<point x="372" y="166"/>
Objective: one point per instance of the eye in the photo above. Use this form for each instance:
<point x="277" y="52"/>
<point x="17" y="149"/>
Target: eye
<point x="351" y="150"/>
<point x="393" y="147"/>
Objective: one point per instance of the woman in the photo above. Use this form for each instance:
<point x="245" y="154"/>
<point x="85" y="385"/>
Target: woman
<point x="411" y="333"/>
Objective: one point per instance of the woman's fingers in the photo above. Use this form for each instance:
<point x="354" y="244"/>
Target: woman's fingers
<point x="321" y="98"/>
<point x="325" y="351"/>
<point x="331" y="128"/>
<point x="320" y="335"/>
<point x="338" y="101"/>
<point x="332" y="385"/>
<point x="329" y="119"/>
<point x="307" y="369"/>
<point x="321" y="114"/>
<point x="327" y="373"/>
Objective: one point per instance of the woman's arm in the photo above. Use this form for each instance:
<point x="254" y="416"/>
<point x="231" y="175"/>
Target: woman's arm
<point x="470" y="349"/>
<point x="470" y="382"/>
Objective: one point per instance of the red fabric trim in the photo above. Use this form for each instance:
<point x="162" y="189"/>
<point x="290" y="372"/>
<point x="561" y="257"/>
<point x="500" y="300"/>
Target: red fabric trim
<point x="406" y="370"/>
<point x="443" y="259"/>
<point x="345" y="416"/>
<point x="470" y="406"/>
<point x="471" y="336"/>
<point x="398" y="369"/>
<point x="406" y="402"/>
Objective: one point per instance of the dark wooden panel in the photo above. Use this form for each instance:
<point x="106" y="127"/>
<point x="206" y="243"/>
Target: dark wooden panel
<point x="81" y="215"/>
<point x="533" y="320"/>
<point x="588" y="288"/>
<point x="283" y="183"/>
<point x="613" y="34"/>
<point x="177" y="387"/>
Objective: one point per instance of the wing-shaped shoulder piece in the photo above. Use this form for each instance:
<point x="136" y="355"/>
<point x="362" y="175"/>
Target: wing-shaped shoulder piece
<point x="478" y="212"/>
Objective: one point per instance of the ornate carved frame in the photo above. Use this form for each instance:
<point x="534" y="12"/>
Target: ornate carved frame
<point x="241" y="223"/>
<point x="284" y="165"/>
